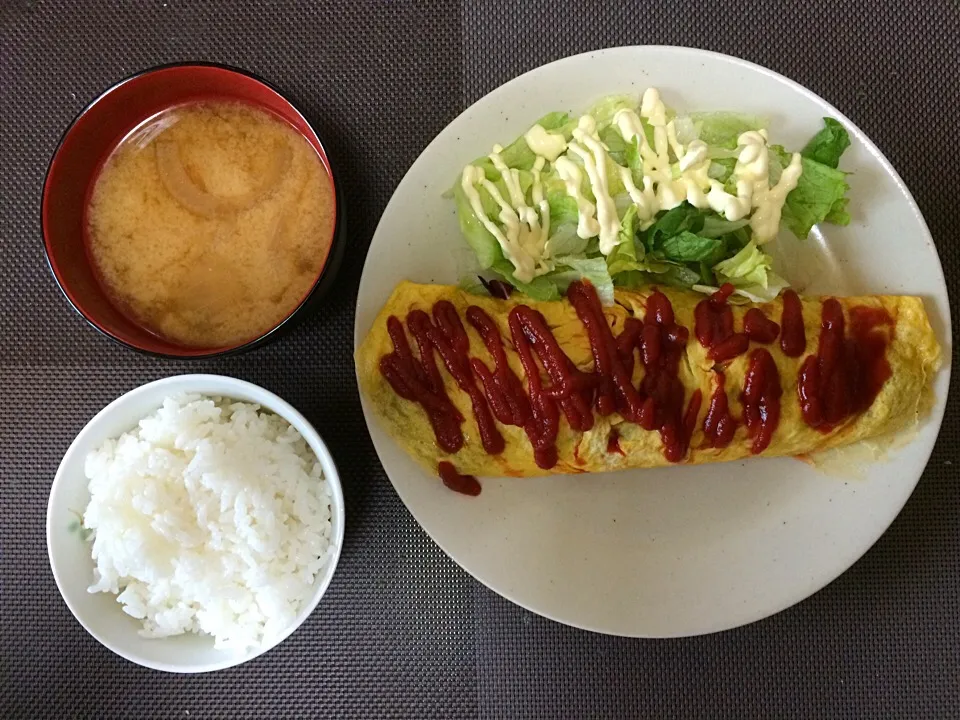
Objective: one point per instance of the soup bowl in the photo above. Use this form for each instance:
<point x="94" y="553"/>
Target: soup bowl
<point x="86" y="145"/>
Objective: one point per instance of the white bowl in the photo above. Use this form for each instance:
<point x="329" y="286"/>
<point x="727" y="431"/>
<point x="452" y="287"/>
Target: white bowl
<point x="70" y="557"/>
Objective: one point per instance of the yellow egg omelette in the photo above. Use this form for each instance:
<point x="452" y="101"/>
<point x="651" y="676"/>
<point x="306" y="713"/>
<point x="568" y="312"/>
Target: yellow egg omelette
<point x="903" y="347"/>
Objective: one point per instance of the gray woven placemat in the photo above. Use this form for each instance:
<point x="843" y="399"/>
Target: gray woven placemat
<point x="403" y="632"/>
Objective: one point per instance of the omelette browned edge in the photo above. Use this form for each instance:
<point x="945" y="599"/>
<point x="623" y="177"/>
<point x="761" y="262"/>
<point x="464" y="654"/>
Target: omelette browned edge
<point x="913" y="355"/>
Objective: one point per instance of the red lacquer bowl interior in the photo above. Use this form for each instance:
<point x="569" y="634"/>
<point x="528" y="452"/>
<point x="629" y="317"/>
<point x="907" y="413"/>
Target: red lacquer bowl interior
<point x="87" y="144"/>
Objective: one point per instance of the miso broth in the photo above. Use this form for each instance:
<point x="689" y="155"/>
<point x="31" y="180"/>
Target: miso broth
<point x="210" y="223"/>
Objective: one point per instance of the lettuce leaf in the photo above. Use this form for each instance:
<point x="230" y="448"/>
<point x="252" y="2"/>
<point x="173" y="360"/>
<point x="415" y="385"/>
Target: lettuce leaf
<point x="690" y="247"/>
<point x="607" y="107"/>
<point x="821" y="189"/>
<point x="563" y="208"/>
<point x="540" y="288"/>
<point x="552" y="285"/>
<point x="750" y="271"/>
<point x="592" y="269"/>
<point x="565" y="241"/>
<point x="819" y="195"/>
<point x="483" y="244"/>
<point x="838" y="214"/>
<point x="723" y="128"/>
<point x="472" y="284"/>
<point x="715" y="226"/>
<point x="518" y="154"/>
<point x="557" y="121"/>
<point x="678" y="276"/>
<point x="625" y="256"/>
<point x="616" y="145"/>
<point x="683" y="218"/>
<point x="828" y="145"/>
<point x="632" y="279"/>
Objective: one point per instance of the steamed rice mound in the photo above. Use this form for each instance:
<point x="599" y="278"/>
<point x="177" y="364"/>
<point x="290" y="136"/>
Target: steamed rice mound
<point x="211" y="517"/>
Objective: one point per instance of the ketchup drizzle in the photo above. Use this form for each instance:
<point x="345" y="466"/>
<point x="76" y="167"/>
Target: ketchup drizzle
<point x="613" y="442"/>
<point x="719" y="425"/>
<point x="663" y="343"/>
<point x="793" y="339"/>
<point x="410" y="379"/>
<point x="713" y="325"/>
<point x="761" y="399"/>
<point x="447" y="336"/>
<point x="464" y="484"/>
<point x="846" y="374"/>
<point x="615" y="391"/>
<point x="759" y="328"/>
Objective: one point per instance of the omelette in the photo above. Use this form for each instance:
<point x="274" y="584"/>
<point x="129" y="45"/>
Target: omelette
<point x="514" y="387"/>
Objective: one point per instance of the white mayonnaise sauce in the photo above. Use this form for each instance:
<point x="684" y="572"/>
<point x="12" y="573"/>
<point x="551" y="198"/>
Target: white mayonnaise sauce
<point x="544" y="143"/>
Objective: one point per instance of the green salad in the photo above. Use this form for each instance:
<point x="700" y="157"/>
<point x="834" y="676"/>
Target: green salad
<point x="632" y="194"/>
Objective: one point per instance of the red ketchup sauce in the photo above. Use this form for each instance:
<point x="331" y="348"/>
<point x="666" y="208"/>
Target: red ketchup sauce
<point x="719" y="425"/>
<point x="420" y="380"/>
<point x="845" y="375"/>
<point x="761" y="399"/>
<point x="759" y="328"/>
<point x="713" y="326"/>
<point x="793" y="338"/>
<point x="613" y="442"/>
<point x="662" y="344"/>
<point x="464" y="484"/>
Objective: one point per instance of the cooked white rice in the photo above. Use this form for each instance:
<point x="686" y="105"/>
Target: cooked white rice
<point x="212" y="516"/>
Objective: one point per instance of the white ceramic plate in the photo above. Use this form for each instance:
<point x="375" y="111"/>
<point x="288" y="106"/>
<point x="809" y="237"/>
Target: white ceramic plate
<point x="683" y="550"/>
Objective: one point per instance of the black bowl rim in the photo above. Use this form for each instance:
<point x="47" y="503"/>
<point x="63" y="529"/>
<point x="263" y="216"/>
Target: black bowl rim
<point x="324" y="279"/>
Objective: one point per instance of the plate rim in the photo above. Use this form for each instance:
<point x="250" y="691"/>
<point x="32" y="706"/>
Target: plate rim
<point x="934" y="419"/>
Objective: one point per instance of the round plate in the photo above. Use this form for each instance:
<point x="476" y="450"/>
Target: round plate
<point x="681" y="550"/>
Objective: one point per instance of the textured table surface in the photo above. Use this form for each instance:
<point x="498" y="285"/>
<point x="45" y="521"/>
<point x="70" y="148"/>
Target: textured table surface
<point x="403" y="632"/>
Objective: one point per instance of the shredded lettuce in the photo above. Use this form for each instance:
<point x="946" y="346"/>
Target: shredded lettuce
<point x="684" y="246"/>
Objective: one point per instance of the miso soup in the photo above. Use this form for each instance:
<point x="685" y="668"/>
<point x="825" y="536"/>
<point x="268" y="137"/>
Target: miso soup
<point x="210" y="223"/>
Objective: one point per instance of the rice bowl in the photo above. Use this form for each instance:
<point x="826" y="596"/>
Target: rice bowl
<point x="69" y="544"/>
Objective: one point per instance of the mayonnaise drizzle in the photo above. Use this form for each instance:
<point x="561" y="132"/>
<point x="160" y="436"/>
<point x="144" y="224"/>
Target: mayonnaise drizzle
<point x="594" y="155"/>
<point x="769" y="201"/>
<point x="544" y="143"/>
<point x="522" y="241"/>
<point x="569" y="172"/>
<point x="671" y="173"/>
